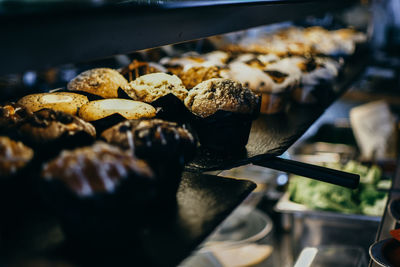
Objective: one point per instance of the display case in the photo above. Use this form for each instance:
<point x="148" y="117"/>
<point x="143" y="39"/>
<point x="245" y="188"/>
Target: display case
<point x="40" y="35"/>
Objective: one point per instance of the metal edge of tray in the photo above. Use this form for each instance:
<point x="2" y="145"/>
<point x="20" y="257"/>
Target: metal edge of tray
<point x="284" y="205"/>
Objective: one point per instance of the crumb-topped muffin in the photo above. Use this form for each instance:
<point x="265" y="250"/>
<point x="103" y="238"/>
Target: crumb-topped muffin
<point x="148" y="88"/>
<point x="96" y="169"/>
<point x="14" y="156"/>
<point x="195" y="75"/>
<point x="210" y="96"/>
<point x="49" y="130"/>
<point x="103" y="82"/>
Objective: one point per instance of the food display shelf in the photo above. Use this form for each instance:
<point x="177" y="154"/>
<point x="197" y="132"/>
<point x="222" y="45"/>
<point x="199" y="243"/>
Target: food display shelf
<point x="44" y="34"/>
<point x="203" y="201"/>
<point x="272" y="135"/>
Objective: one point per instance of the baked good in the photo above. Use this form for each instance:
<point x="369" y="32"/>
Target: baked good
<point x="195" y="75"/>
<point x="11" y="116"/>
<point x="49" y="131"/>
<point x="14" y="156"/>
<point x="97" y="192"/>
<point x="318" y="73"/>
<point x="210" y="96"/>
<point x="153" y="140"/>
<point x="148" y="88"/>
<point x="138" y="68"/>
<point x="129" y="109"/>
<point x="60" y="101"/>
<point x="96" y="169"/>
<point x="103" y="82"/>
<point x="223" y="111"/>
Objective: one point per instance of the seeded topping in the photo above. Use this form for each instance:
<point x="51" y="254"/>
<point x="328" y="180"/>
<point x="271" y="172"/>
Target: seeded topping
<point x="220" y="94"/>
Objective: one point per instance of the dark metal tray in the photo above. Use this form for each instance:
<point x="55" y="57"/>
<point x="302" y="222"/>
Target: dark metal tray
<point x="203" y="202"/>
<point x="272" y="135"/>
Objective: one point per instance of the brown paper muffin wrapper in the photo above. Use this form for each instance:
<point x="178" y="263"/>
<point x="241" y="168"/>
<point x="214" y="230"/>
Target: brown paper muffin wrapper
<point x="102" y="219"/>
<point x="107" y="122"/>
<point x="224" y="131"/>
<point x="272" y="103"/>
<point x="171" y="108"/>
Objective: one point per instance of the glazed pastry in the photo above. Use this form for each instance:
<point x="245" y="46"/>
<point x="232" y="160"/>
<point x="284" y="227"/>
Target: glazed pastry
<point x="153" y="140"/>
<point x="101" y="82"/>
<point x="60" y="101"/>
<point x="49" y="131"/>
<point x="11" y="116"/>
<point x="14" y="156"/>
<point x="129" y="109"/>
<point x="148" y="88"/>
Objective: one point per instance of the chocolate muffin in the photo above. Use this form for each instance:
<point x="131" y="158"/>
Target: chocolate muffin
<point x="103" y="82"/>
<point x="49" y="131"/>
<point x="14" y="157"/>
<point x="11" y="116"/>
<point x="153" y="140"/>
<point x="96" y="192"/>
<point x="164" y="145"/>
<point x="223" y="111"/>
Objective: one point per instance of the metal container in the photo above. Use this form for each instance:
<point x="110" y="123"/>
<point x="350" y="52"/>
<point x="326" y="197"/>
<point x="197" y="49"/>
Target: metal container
<point x="311" y="228"/>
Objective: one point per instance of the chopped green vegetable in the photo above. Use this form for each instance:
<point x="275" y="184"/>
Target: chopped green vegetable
<point x="323" y="196"/>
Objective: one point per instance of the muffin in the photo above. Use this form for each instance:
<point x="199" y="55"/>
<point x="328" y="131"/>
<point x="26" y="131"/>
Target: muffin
<point x="317" y="77"/>
<point x="195" y="75"/>
<point x="107" y="112"/>
<point x="223" y="111"/>
<point x="49" y="131"/>
<point x="148" y="88"/>
<point x="14" y="157"/>
<point x="164" y="145"/>
<point x="103" y="82"/>
<point x="97" y="192"/>
<point x="154" y="140"/>
<point x="272" y="80"/>
<point x="138" y="68"/>
<point x="60" y="101"/>
<point x="163" y="91"/>
<point x="11" y="116"/>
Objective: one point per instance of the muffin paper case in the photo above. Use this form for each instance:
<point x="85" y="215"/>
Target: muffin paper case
<point x="103" y="124"/>
<point x="99" y="217"/>
<point x="171" y="108"/>
<point x="224" y="130"/>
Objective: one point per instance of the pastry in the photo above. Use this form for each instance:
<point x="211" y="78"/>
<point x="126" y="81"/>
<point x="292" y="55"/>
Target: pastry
<point x="129" y="109"/>
<point x="60" y="101"/>
<point x="223" y="111"/>
<point x="96" y="192"/>
<point x="195" y="75"/>
<point x="148" y="88"/>
<point x="153" y="140"/>
<point x="11" y="116"/>
<point x="49" y="131"/>
<point x="14" y="156"/>
<point x="103" y="82"/>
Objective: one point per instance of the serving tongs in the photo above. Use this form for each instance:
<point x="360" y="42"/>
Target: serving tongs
<point x="345" y="179"/>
